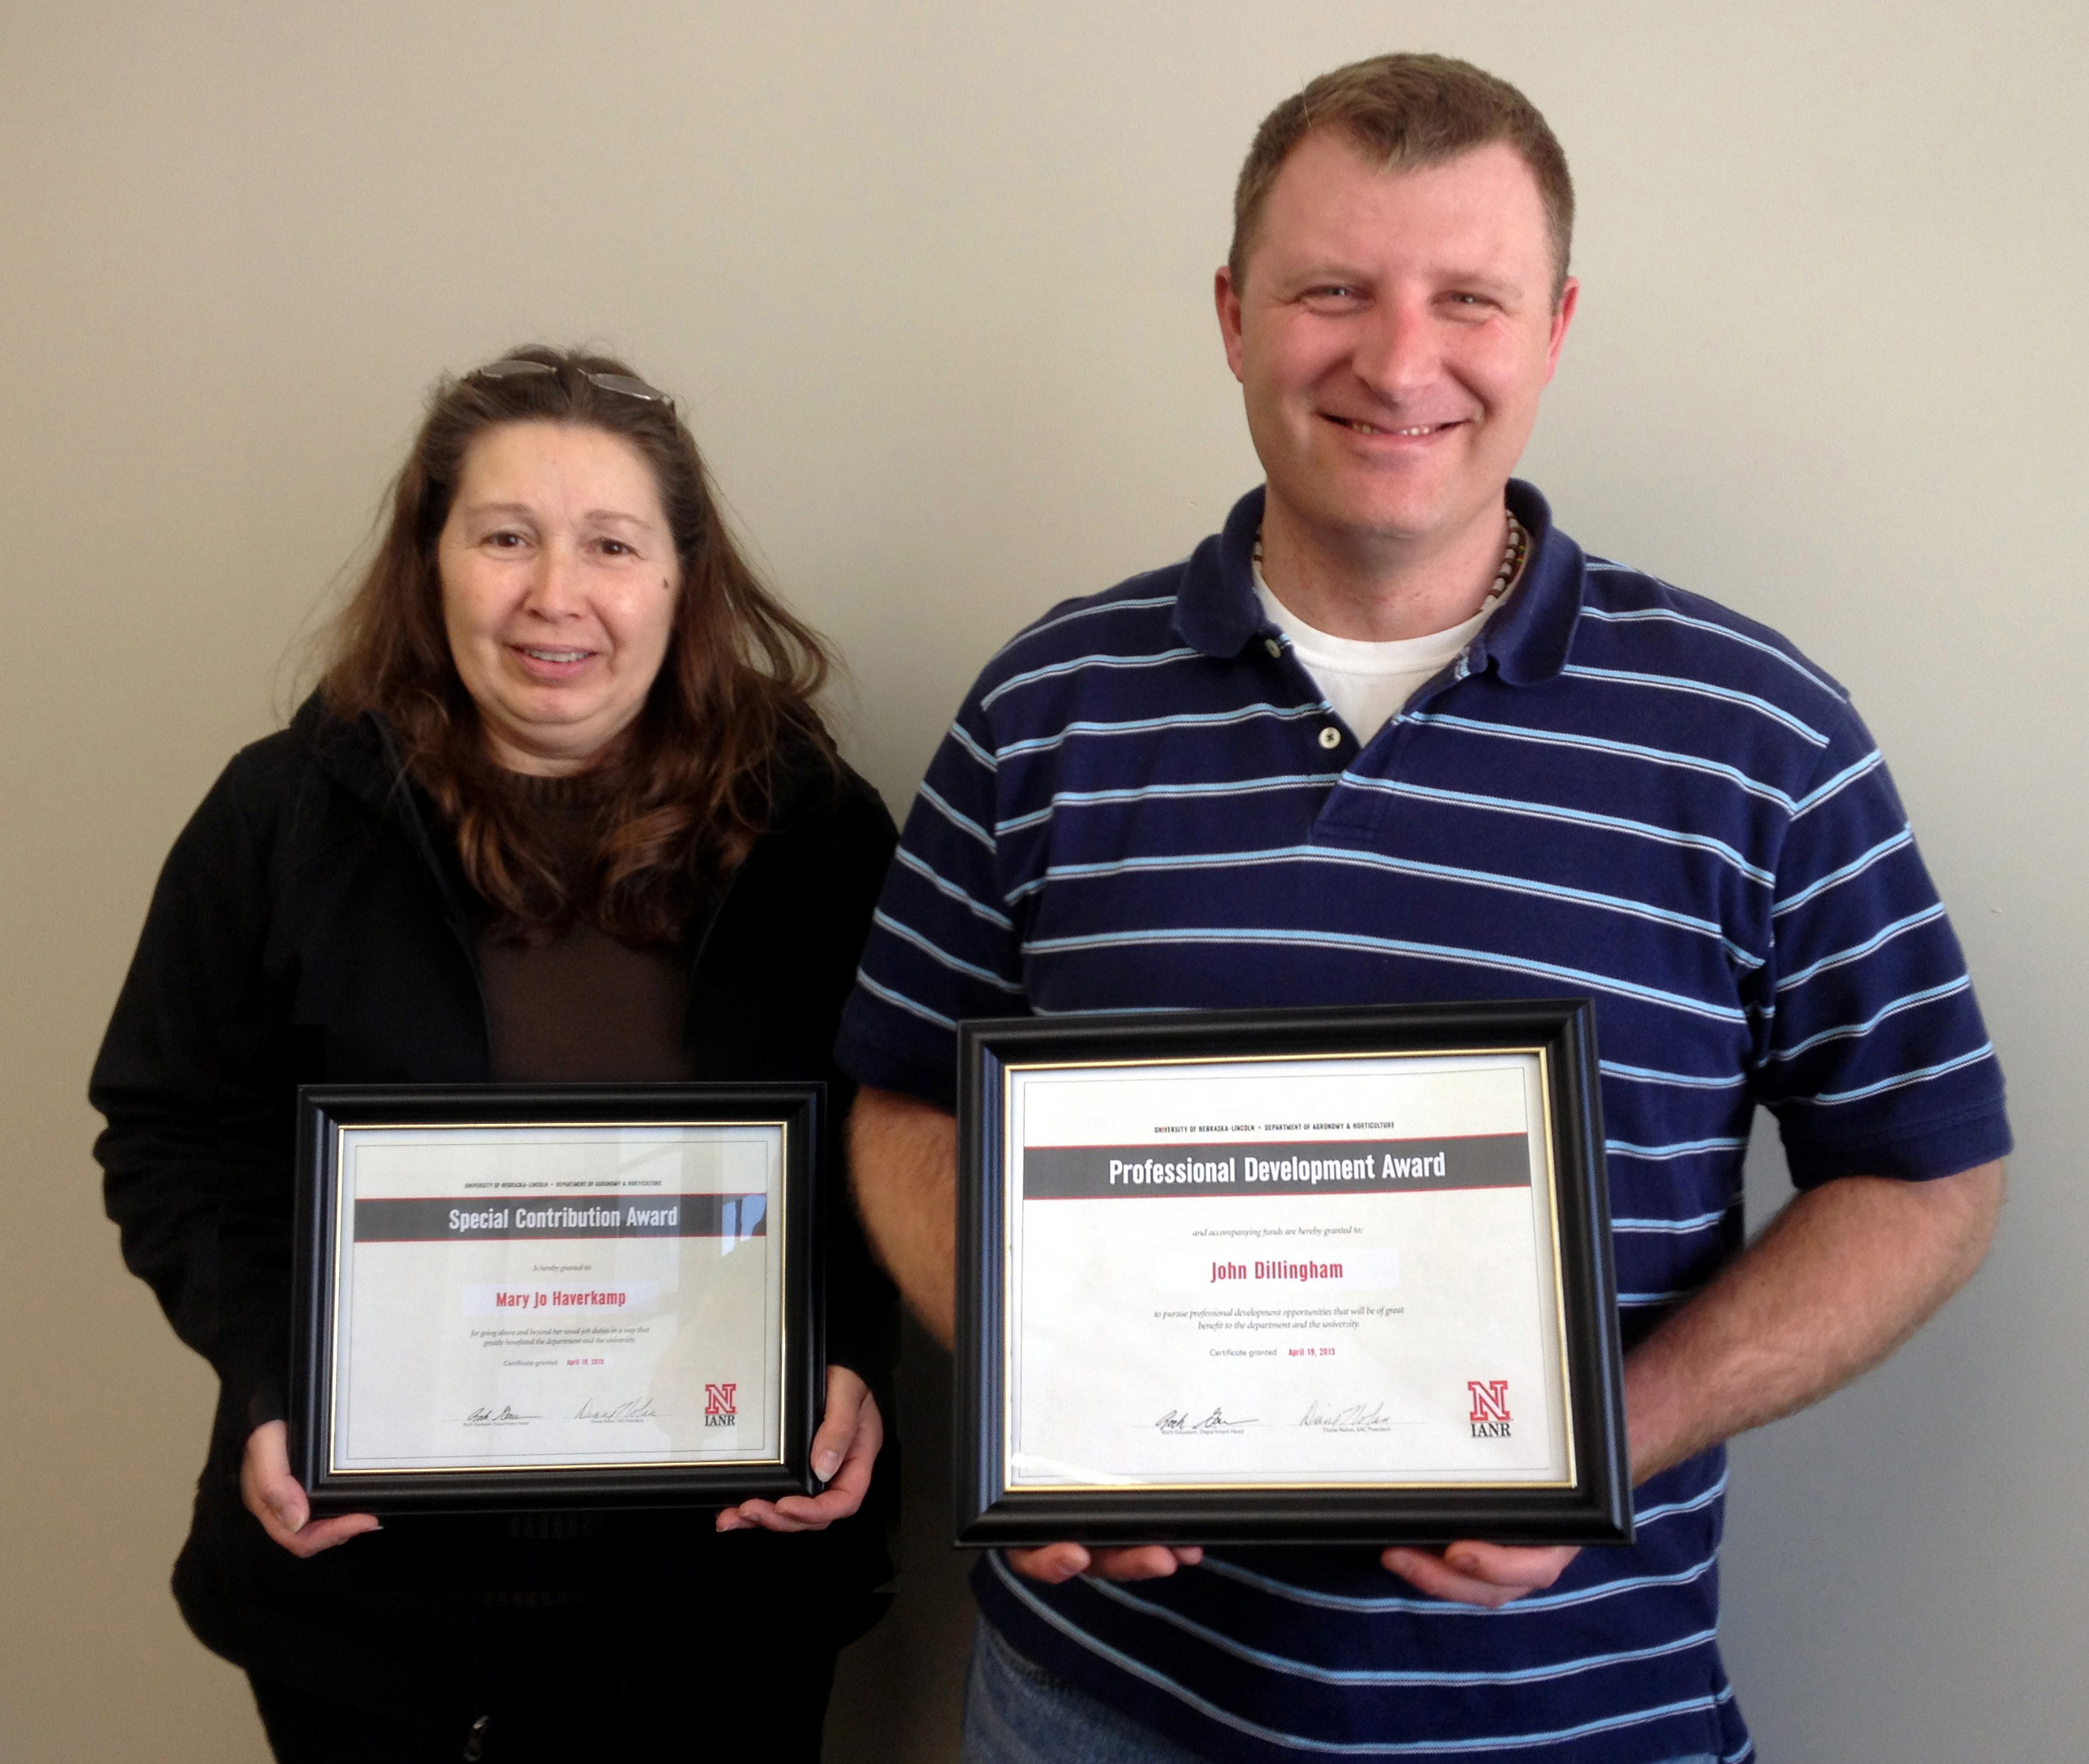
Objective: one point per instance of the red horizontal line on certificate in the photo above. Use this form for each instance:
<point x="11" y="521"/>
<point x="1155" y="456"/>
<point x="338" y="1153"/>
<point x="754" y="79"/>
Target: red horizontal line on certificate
<point x="1270" y="1192"/>
<point x="1184" y="1141"/>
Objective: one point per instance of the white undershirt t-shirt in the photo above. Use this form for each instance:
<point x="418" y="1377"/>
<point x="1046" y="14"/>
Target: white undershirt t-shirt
<point x="1366" y="682"/>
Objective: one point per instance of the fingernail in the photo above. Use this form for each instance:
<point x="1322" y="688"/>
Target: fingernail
<point x="825" y="1463"/>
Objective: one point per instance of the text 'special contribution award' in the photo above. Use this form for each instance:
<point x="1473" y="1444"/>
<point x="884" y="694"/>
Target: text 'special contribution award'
<point x="513" y="1297"/>
<point x="1287" y="1276"/>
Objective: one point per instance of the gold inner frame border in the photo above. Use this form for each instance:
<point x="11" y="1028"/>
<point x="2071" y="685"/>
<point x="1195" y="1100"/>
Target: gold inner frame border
<point x="1010" y="1202"/>
<point x="340" y="1277"/>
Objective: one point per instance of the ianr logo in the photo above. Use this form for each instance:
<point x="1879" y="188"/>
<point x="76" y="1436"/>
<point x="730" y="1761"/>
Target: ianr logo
<point x="719" y="1410"/>
<point x="1489" y="1417"/>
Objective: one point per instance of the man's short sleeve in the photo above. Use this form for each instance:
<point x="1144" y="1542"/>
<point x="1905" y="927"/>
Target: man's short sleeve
<point x="943" y="943"/>
<point x="1871" y="1051"/>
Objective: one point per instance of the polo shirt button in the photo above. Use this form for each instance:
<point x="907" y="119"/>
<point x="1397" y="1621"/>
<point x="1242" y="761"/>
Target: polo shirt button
<point x="1272" y="646"/>
<point x="1331" y="737"/>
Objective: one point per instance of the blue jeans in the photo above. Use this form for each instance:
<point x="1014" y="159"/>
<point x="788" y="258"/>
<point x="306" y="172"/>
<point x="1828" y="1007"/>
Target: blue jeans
<point x="1016" y="1713"/>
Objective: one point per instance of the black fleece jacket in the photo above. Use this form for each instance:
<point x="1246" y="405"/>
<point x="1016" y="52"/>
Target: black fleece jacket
<point x="312" y="925"/>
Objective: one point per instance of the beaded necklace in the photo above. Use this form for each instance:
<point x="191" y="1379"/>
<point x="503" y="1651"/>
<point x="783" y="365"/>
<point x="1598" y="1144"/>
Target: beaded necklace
<point x="1514" y="554"/>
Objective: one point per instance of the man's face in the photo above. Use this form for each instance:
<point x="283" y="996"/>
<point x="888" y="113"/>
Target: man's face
<point x="1392" y="337"/>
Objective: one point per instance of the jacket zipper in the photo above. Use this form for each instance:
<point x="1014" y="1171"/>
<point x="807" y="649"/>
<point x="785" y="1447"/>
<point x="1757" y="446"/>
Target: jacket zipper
<point x="453" y="912"/>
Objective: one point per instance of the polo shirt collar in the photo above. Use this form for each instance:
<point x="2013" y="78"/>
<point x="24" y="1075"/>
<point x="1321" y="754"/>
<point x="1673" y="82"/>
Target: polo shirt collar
<point x="1217" y="612"/>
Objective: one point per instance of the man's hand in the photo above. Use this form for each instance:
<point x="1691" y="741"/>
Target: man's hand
<point x="903" y="1165"/>
<point x="1488" y="1575"/>
<point x="843" y="1450"/>
<point x="1053" y="1563"/>
<point x="1838" y="1280"/>
<point x="277" y="1498"/>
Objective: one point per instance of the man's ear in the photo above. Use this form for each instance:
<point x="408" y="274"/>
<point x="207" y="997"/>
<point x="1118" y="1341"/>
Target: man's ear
<point x="1228" y="301"/>
<point x="1563" y="315"/>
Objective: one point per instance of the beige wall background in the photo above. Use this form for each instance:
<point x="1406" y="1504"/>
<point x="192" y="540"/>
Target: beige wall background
<point x="932" y="280"/>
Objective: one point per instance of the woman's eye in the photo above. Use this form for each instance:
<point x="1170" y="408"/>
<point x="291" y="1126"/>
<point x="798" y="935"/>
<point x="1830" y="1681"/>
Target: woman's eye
<point x="505" y="541"/>
<point x="616" y="548"/>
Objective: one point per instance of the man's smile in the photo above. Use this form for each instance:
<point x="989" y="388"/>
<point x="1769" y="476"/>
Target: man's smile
<point x="1358" y="426"/>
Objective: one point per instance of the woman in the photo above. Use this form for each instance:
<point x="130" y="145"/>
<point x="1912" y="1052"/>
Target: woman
<point x="561" y="809"/>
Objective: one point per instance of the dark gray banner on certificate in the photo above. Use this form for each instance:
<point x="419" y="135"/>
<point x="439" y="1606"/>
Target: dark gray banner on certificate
<point x="1277" y="1167"/>
<point x="1340" y="1270"/>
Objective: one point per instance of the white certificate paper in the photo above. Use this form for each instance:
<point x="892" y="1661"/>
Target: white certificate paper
<point x="513" y="1297"/>
<point x="1334" y="1272"/>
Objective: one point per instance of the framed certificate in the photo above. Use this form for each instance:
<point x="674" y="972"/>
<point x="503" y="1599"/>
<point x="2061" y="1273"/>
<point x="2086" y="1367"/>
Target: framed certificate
<point x="1287" y="1276"/>
<point x="515" y="1296"/>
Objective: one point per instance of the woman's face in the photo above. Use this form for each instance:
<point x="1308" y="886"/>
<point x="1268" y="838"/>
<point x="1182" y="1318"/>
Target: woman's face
<point x="558" y="577"/>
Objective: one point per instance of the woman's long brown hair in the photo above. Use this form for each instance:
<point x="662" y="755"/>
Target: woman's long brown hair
<point x="684" y="793"/>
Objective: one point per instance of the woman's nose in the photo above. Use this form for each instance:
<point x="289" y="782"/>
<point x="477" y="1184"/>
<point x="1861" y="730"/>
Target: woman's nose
<point x="557" y="589"/>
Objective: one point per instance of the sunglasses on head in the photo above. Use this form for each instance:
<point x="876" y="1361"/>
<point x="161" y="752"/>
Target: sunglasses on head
<point x="514" y="367"/>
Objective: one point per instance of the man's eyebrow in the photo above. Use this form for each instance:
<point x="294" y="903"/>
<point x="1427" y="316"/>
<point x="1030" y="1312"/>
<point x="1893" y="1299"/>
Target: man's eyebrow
<point x="1328" y="269"/>
<point x="1332" y="270"/>
<point x="1485" y="281"/>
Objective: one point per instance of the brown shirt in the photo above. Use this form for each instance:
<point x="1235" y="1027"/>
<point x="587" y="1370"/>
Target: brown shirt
<point x="574" y="1006"/>
<point x="577" y="1005"/>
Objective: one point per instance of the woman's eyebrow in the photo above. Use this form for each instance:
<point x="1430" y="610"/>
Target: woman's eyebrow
<point x="620" y="516"/>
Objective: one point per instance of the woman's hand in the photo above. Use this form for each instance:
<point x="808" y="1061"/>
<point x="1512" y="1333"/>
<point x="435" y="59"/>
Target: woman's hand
<point x="843" y="1450"/>
<point x="277" y="1498"/>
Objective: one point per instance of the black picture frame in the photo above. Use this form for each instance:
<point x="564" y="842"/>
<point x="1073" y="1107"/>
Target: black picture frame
<point x="325" y="1111"/>
<point x="1596" y="1505"/>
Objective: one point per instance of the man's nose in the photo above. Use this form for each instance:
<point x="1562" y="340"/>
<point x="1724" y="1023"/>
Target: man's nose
<point x="1395" y="350"/>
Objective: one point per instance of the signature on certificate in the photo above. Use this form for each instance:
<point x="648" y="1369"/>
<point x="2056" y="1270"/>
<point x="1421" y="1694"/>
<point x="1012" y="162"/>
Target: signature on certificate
<point x="633" y="1409"/>
<point x="486" y="1416"/>
<point x="1348" y="1418"/>
<point x="1218" y="1421"/>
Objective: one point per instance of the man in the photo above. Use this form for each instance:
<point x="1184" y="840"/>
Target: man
<point x="1391" y="735"/>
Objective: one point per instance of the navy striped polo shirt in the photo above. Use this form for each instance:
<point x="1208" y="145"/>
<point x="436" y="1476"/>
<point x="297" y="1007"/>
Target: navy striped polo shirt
<point x="1618" y="790"/>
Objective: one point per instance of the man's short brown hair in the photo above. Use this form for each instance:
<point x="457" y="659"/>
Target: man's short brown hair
<point x="1407" y="112"/>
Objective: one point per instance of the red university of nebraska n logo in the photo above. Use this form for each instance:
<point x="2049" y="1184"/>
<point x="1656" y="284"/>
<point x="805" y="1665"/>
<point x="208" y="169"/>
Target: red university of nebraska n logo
<point x="718" y="1398"/>
<point x="1489" y="1399"/>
